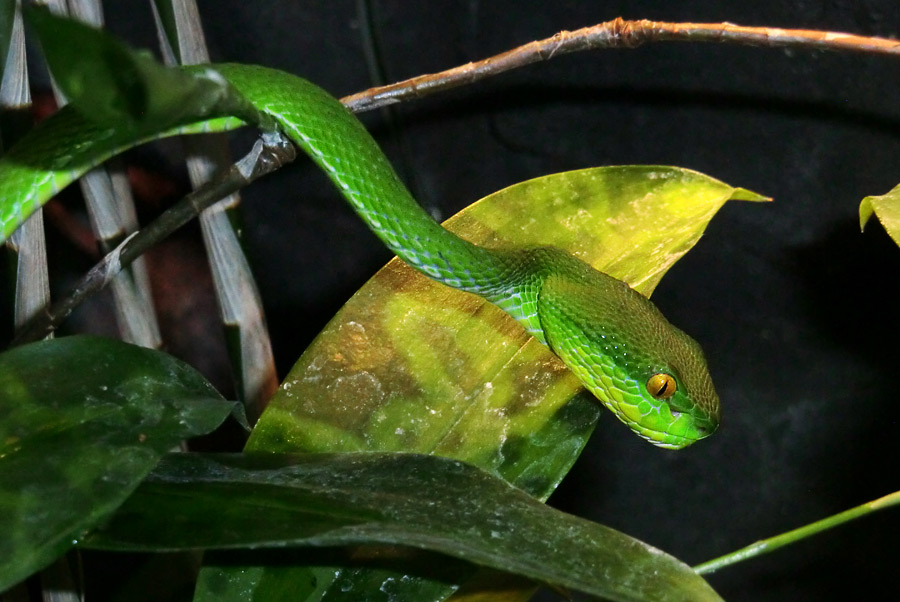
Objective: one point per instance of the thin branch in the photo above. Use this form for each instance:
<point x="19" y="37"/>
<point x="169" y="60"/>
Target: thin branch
<point x="268" y="154"/>
<point x="617" y="33"/>
<point x="268" y="157"/>
<point x="773" y="543"/>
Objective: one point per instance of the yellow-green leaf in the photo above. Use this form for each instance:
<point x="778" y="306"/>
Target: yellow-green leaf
<point x="887" y="208"/>
<point x="411" y="365"/>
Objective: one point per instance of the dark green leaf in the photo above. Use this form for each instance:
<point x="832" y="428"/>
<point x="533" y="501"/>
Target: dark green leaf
<point x="112" y="84"/>
<point x="195" y="501"/>
<point x="82" y="421"/>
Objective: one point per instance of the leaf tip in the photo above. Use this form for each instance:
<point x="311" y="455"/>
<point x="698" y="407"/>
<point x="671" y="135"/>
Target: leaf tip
<point x="866" y="209"/>
<point x="742" y="194"/>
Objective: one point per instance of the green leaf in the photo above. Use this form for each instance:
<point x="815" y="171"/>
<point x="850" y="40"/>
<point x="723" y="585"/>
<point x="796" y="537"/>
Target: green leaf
<point x="411" y="365"/>
<point x="887" y="208"/>
<point x="82" y="421"/>
<point x="195" y="501"/>
<point x="113" y="85"/>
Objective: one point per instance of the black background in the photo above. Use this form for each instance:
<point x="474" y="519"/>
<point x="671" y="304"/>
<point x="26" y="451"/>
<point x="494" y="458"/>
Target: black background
<point x="796" y="309"/>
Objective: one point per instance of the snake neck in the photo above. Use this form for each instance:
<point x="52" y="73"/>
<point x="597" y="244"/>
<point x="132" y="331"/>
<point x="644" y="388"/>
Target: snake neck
<point x="339" y="144"/>
<point x="525" y="273"/>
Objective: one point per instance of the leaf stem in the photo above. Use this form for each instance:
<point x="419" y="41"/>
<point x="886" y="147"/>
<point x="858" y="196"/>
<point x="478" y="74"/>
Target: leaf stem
<point x="765" y="546"/>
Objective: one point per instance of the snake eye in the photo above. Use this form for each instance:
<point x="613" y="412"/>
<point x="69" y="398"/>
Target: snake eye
<point x="661" y="385"/>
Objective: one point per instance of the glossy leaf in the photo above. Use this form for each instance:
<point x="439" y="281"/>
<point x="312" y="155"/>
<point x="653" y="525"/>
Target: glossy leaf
<point x="195" y="501"/>
<point x="411" y="365"/>
<point x="82" y="421"/>
<point x="887" y="208"/>
<point x="113" y="85"/>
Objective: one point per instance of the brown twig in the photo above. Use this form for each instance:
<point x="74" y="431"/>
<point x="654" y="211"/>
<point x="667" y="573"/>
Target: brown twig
<point x="617" y="33"/>
<point x="268" y="154"/>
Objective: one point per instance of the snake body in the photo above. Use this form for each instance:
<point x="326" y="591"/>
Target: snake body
<point x="650" y="374"/>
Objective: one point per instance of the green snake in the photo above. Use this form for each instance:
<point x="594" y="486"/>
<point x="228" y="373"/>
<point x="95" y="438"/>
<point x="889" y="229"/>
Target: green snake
<point x="651" y="375"/>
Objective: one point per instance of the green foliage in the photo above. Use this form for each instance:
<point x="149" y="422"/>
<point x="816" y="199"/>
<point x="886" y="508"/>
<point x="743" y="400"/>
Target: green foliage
<point x="194" y="501"/>
<point x="406" y="366"/>
<point x="116" y="86"/>
<point x="887" y="208"/>
<point x="374" y="380"/>
<point x="411" y="365"/>
<point x="82" y="422"/>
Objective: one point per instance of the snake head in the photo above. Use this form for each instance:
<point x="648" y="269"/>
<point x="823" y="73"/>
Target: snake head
<point x="651" y="375"/>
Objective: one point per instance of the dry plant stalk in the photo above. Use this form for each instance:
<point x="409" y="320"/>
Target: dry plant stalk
<point x="617" y="33"/>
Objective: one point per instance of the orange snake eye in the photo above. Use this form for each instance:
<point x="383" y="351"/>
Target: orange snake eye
<point x="661" y="385"/>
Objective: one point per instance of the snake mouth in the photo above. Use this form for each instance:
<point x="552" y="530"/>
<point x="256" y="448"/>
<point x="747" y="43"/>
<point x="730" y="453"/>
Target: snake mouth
<point x="690" y="429"/>
<point x="667" y="440"/>
<point x="661" y="438"/>
<point x="673" y="446"/>
<point x="664" y="440"/>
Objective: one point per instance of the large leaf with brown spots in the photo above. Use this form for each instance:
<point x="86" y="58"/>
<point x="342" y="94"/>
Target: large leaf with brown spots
<point x="411" y="365"/>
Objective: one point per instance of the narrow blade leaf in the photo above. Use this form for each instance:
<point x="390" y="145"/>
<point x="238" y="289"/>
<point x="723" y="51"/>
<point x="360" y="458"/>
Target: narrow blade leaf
<point x="194" y="501"/>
